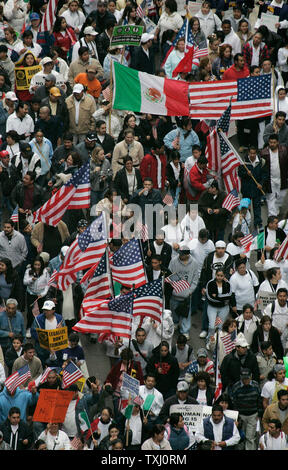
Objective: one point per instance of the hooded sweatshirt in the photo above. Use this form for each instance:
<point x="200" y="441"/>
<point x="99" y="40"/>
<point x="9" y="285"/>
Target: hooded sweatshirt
<point x="187" y="272"/>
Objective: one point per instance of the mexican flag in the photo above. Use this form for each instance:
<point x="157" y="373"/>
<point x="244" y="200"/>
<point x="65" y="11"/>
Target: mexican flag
<point x="144" y="93"/>
<point x="258" y="242"/>
<point x="84" y="421"/>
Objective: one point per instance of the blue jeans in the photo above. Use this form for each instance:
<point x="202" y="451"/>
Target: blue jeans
<point x="185" y="323"/>
<point x="213" y="312"/>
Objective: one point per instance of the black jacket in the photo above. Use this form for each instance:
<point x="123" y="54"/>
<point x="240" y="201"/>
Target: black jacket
<point x="121" y="182"/>
<point x="164" y="413"/>
<point x="171" y="177"/>
<point x="18" y="193"/>
<point x="10" y="357"/>
<point x="226" y="298"/>
<point x="248" y="186"/>
<point x="231" y="367"/>
<point x="61" y="112"/>
<point x="24" y="432"/>
<point x="193" y="392"/>
<point x="274" y="337"/>
<point x="108" y="144"/>
<point x="166" y="254"/>
<point x="213" y="221"/>
<point x="168" y="379"/>
<point x="206" y="272"/>
<point x="103" y="43"/>
<point x="141" y="62"/>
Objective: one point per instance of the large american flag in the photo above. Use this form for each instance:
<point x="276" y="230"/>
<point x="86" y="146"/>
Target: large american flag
<point x="75" y="194"/>
<point x="178" y="284"/>
<point x="251" y="98"/>
<point x="49" y="17"/>
<point x="229" y="342"/>
<point x="127" y="265"/>
<point x="99" y="286"/>
<point x="231" y="201"/>
<point x="84" y="252"/>
<point x="282" y="252"/>
<point x="18" y="378"/>
<point x="229" y="161"/>
<point x="109" y="316"/>
<point x="148" y="300"/>
<point x="71" y="373"/>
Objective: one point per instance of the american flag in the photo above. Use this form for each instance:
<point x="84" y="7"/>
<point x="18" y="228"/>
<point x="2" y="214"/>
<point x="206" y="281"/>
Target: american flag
<point x="75" y="194"/>
<point x="251" y="98"/>
<point x="229" y="342"/>
<point x="140" y="9"/>
<point x="107" y="93"/>
<point x="189" y="42"/>
<point x="99" y="286"/>
<point x="18" y="378"/>
<point x="53" y="279"/>
<point x="282" y="252"/>
<point x="229" y="161"/>
<point x="71" y="373"/>
<point x="127" y="265"/>
<point x="168" y="199"/>
<point x="15" y="214"/>
<point x="218" y="382"/>
<point x="231" y="200"/>
<point x="49" y="17"/>
<point x="212" y="151"/>
<point x="177" y="283"/>
<point x="76" y="443"/>
<point x="45" y="375"/>
<point x="144" y="233"/>
<point x="109" y="316"/>
<point x="83" y="252"/>
<point x="246" y="241"/>
<point x="148" y="300"/>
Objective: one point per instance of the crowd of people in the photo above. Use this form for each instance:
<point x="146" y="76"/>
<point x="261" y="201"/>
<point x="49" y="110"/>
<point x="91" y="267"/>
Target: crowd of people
<point x="60" y="119"/>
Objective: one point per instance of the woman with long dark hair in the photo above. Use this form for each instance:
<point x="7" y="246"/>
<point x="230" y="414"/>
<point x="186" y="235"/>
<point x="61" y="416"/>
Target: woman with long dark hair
<point x="10" y="283"/>
<point x="130" y="122"/>
<point x="65" y="37"/>
<point x="36" y="281"/>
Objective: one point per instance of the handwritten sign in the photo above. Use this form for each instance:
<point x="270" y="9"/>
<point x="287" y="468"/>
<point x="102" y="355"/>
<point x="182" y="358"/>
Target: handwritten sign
<point x="269" y="20"/>
<point x="194" y="7"/>
<point x="193" y="415"/>
<point x="130" y="384"/>
<point x="265" y="298"/>
<point x="54" y="340"/>
<point x="52" y="406"/>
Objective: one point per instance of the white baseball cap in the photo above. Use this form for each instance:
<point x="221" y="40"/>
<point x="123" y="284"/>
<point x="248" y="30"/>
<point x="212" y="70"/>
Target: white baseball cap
<point x="46" y="60"/>
<point x="78" y="88"/>
<point x="220" y="244"/>
<point x="241" y="341"/>
<point x="10" y="95"/>
<point x="48" y="305"/>
<point x="146" y="37"/>
<point x="90" y="30"/>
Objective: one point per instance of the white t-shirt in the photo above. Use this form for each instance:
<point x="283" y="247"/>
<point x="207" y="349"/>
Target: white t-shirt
<point x="269" y="389"/>
<point x="243" y="288"/>
<point x="201" y="397"/>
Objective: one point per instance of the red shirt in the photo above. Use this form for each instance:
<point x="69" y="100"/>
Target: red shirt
<point x="233" y="74"/>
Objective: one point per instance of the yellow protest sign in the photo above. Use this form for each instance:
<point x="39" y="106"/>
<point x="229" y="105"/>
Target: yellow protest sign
<point x="23" y="76"/>
<point x="53" y="339"/>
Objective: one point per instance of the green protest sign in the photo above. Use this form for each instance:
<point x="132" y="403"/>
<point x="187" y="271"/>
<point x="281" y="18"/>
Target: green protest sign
<point x="129" y="35"/>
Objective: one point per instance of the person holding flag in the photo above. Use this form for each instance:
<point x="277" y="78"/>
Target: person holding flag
<point x="174" y="58"/>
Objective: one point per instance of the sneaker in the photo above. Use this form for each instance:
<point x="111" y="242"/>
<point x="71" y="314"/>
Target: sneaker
<point x="203" y="334"/>
<point x="28" y="333"/>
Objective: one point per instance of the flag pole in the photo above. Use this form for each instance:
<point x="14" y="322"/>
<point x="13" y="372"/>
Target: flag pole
<point x="225" y="138"/>
<point x="129" y="346"/>
<point x="163" y="308"/>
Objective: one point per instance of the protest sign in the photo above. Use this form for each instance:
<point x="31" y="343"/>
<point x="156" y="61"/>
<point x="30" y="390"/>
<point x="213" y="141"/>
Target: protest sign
<point x="194" y="7"/>
<point x="52" y="406"/>
<point x="269" y="20"/>
<point x="126" y="35"/>
<point x="53" y="339"/>
<point x="193" y="415"/>
<point x="23" y="76"/>
<point x="265" y="298"/>
<point x="130" y="384"/>
<point x="150" y="26"/>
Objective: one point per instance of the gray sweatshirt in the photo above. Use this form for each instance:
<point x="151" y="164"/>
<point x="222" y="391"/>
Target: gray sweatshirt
<point x="187" y="272"/>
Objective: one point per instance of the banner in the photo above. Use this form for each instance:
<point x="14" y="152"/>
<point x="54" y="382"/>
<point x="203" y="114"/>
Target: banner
<point x="52" y="406"/>
<point x="126" y="35"/>
<point x="193" y="415"/>
<point x="130" y="384"/>
<point x="23" y="76"/>
<point x="265" y="298"/>
<point x="54" y="340"/>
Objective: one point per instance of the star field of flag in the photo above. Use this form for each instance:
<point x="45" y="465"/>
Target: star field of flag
<point x="128" y="254"/>
<point x="256" y="89"/>
<point x="84" y="173"/>
<point x="101" y="268"/>
<point x="95" y="232"/>
<point x="152" y="288"/>
<point x="122" y="303"/>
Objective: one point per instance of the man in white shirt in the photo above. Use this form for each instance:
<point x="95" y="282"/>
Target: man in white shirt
<point x="278" y="310"/>
<point x="21" y="122"/>
<point x="39" y="78"/>
<point x="274" y="439"/>
<point x="219" y="429"/>
<point x="149" y="389"/>
<point x="231" y="37"/>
